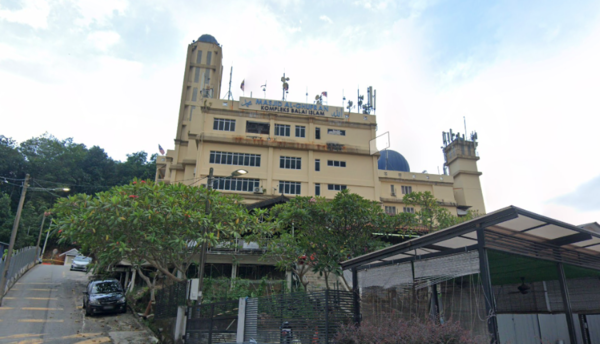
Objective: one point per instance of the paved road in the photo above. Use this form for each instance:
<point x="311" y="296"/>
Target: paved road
<point x="45" y="307"/>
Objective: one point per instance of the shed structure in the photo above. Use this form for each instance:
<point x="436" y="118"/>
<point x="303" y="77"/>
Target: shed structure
<point x="512" y="275"/>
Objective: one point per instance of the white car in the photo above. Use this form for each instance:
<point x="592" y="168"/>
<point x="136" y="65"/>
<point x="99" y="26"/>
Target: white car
<point x="81" y="263"/>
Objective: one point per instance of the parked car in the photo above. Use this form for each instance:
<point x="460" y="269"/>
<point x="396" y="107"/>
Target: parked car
<point x="104" y="296"/>
<point x="81" y="263"/>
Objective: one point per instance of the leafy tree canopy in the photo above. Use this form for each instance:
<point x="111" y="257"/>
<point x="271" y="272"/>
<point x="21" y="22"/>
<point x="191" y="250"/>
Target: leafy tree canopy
<point x="163" y="225"/>
<point x="54" y="163"/>
<point x="315" y="234"/>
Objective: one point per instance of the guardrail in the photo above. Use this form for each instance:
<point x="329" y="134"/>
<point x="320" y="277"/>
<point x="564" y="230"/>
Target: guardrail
<point x="22" y="260"/>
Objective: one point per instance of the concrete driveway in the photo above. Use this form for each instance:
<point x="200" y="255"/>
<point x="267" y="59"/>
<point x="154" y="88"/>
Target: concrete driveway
<point x="45" y="307"/>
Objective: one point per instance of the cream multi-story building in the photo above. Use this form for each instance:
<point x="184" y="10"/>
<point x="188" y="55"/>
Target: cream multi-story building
<point x="298" y="149"/>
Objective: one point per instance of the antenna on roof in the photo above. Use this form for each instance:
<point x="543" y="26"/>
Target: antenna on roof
<point x="464" y="119"/>
<point x="229" y="94"/>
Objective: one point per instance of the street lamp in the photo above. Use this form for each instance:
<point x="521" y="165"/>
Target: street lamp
<point x="203" y="253"/>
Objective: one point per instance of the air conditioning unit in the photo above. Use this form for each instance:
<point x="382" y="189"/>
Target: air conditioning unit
<point x="258" y="190"/>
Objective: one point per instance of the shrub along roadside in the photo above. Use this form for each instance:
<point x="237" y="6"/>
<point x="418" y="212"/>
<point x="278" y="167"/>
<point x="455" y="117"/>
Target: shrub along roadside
<point x="392" y="330"/>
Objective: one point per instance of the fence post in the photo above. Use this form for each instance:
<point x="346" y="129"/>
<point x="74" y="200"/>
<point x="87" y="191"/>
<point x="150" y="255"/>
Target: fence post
<point x="326" y="315"/>
<point x="241" y="328"/>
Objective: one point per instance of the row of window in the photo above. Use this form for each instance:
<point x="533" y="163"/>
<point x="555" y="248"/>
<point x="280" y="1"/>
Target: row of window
<point x="290" y="163"/>
<point x="236" y="184"/>
<point x="391" y="210"/>
<point x="228" y="158"/>
<point x="251" y="185"/>
<point x="405" y="189"/>
<point x="265" y="128"/>
<point x="285" y="162"/>
<point x="208" y="57"/>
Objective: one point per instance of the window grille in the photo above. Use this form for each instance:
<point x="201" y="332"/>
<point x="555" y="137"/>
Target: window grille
<point x="406" y="189"/>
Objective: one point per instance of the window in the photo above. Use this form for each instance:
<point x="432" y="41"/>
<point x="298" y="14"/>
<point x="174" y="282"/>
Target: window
<point x="317" y="165"/>
<point x="258" y="127"/>
<point x="336" y="132"/>
<point x="290" y="188"/>
<point x="196" y="74"/>
<point x="390" y="210"/>
<point x="336" y="187"/>
<point x="208" y="57"/>
<point x="300" y="131"/>
<point x="393" y="190"/>
<point x="336" y="163"/>
<point x="406" y="189"/>
<point x="290" y="163"/>
<point x="317" y="133"/>
<point x="317" y="189"/>
<point x="199" y="57"/>
<point x="206" y="77"/>
<point x="195" y="94"/>
<point x="282" y="130"/>
<point x="224" y="124"/>
<point x="229" y="158"/>
<point x="235" y="184"/>
<point x="409" y="210"/>
<point x="192" y="108"/>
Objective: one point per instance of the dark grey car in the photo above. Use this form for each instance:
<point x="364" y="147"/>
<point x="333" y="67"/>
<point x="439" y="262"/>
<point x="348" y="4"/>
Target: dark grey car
<point x="104" y="296"/>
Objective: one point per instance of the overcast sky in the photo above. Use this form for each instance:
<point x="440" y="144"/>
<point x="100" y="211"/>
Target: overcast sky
<point x="525" y="74"/>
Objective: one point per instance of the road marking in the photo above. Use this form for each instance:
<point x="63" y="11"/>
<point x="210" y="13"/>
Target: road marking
<point x="81" y="335"/>
<point x="64" y="274"/>
<point x="39" y="320"/>
<point x="95" y="340"/>
<point x="30" y="341"/>
<point x="42" y="309"/>
<point x="36" y="298"/>
<point x="5" y="308"/>
<point x="23" y="335"/>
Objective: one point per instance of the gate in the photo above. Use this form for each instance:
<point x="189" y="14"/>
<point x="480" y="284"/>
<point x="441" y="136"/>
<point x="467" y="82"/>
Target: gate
<point x="212" y="323"/>
<point x="298" y="317"/>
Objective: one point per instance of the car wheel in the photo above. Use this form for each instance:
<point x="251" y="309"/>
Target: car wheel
<point x="88" y="311"/>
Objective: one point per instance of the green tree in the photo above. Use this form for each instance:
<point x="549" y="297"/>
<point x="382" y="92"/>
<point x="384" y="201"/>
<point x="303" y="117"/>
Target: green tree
<point x="430" y="214"/>
<point x="327" y="232"/>
<point x="158" y="224"/>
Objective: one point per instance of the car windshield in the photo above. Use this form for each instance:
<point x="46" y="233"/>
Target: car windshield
<point x="82" y="259"/>
<point x="106" y="287"/>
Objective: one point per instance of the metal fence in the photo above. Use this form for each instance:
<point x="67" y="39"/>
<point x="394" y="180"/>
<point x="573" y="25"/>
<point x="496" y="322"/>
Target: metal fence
<point x="21" y="261"/>
<point x="169" y="298"/>
<point x="212" y="323"/>
<point x="298" y="317"/>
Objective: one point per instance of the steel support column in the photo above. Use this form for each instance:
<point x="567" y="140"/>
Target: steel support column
<point x="564" y="290"/>
<point x="486" y="280"/>
<point x="356" y="296"/>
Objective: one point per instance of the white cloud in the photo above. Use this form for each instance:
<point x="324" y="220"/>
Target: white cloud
<point x="34" y="13"/>
<point x="99" y="11"/>
<point x="102" y="40"/>
<point x="326" y="19"/>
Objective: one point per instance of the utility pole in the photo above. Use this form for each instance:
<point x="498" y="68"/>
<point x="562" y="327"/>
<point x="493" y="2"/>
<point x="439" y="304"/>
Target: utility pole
<point x="203" y="253"/>
<point x="37" y="250"/>
<point x="13" y="236"/>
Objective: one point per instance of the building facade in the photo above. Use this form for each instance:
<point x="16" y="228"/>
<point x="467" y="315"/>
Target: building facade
<point x="298" y="149"/>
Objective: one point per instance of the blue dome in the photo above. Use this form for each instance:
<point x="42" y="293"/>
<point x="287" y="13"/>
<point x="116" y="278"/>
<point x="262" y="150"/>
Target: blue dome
<point x="393" y="161"/>
<point x="208" y="39"/>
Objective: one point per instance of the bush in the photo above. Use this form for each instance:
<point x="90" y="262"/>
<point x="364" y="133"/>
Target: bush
<point x="395" y="331"/>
